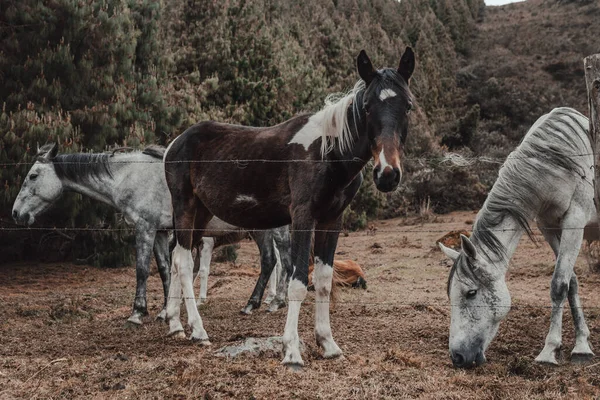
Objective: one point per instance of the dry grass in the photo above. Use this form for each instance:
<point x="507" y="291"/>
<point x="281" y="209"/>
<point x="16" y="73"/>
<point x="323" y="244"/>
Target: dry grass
<point x="394" y="335"/>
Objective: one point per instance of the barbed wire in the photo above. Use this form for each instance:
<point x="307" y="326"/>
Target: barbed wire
<point x="414" y="304"/>
<point x="224" y="231"/>
<point x="454" y="159"/>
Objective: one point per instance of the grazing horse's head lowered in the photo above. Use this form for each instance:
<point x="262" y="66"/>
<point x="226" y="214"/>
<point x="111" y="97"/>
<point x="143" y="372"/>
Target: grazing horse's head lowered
<point x="41" y="188"/>
<point x="480" y="300"/>
<point x="386" y="103"/>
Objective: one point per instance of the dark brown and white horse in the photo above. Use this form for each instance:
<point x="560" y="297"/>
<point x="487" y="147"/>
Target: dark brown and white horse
<point x="304" y="171"/>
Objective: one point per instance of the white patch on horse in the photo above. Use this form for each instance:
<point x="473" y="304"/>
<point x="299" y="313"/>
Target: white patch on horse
<point x="387" y="94"/>
<point x="244" y="198"/>
<point x="383" y="163"/>
<point x="330" y="123"/>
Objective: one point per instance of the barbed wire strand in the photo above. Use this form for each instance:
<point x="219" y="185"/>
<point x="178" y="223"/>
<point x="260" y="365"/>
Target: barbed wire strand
<point x="452" y="159"/>
<point x="372" y="232"/>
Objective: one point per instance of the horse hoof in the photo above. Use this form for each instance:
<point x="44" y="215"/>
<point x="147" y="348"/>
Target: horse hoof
<point x="294" y="367"/>
<point x="133" y="322"/>
<point x="162" y="316"/>
<point x="201" y="342"/>
<point x="581" y="357"/>
<point x="246" y="310"/>
<point x="203" y="300"/>
<point x="546" y="360"/>
<point x="275" y="306"/>
<point x="176" y="335"/>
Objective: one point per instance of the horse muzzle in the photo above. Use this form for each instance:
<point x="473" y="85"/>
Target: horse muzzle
<point x="388" y="179"/>
<point x="468" y="358"/>
<point x="23" y="218"/>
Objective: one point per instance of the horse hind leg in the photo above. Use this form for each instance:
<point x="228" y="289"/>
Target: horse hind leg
<point x="144" y="242"/>
<point x="264" y="241"/>
<point x="582" y="351"/>
<point x="163" y="261"/>
<point x="283" y="245"/>
<point x="325" y="244"/>
<point x="274" y="278"/>
<point x="205" y="255"/>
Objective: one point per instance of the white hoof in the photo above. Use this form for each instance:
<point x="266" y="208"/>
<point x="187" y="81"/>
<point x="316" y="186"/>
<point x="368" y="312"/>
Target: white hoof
<point x="292" y="357"/>
<point x="135" y="320"/>
<point x="548" y="356"/>
<point x="582" y="353"/>
<point x="203" y="300"/>
<point x="176" y="335"/>
<point x="332" y="351"/>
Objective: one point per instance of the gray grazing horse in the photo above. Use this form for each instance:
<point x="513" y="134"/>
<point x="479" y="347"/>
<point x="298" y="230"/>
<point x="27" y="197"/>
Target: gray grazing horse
<point x="547" y="178"/>
<point x="134" y="183"/>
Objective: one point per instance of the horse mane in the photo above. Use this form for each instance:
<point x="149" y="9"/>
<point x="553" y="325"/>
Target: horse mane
<point x="333" y="118"/>
<point x="554" y="145"/>
<point x="79" y="167"/>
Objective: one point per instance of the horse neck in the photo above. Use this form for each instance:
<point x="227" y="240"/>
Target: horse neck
<point x="360" y="153"/>
<point x="509" y="233"/>
<point x="101" y="188"/>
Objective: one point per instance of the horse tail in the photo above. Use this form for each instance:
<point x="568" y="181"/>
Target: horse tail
<point x="155" y="151"/>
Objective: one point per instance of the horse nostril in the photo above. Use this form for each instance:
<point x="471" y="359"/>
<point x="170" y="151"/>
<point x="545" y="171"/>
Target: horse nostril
<point x="376" y="171"/>
<point x="458" y="360"/>
<point x="397" y="175"/>
<point x="15" y="215"/>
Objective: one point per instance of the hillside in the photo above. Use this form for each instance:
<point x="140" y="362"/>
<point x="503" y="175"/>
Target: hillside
<point x="93" y="75"/>
<point x="525" y="59"/>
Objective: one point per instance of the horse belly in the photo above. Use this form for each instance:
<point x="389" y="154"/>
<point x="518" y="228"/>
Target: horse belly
<point x="248" y="213"/>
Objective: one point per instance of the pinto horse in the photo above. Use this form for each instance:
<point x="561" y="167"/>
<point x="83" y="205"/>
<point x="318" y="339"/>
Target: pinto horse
<point x="304" y="171"/>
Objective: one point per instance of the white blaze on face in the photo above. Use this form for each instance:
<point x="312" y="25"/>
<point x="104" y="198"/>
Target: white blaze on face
<point x="382" y="163"/>
<point x="386" y="94"/>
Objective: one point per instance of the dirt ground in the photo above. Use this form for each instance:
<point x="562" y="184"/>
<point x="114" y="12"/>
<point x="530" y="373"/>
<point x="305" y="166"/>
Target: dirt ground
<point x="63" y="332"/>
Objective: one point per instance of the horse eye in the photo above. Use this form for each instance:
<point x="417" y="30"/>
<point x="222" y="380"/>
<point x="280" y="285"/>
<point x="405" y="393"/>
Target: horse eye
<point x="409" y="108"/>
<point x="471" y="294"/>
<point x="33" y="177"/>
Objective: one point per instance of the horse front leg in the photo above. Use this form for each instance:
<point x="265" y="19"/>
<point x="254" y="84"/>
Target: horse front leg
<point x="570" y="243"/>
<point x="302" y="231"/>
<point x="163" y="262"/>
<point x="326" y="238"/>
<point x="144" y="243"/>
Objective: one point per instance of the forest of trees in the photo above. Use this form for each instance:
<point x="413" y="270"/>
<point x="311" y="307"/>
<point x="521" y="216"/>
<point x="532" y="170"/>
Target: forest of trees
<point x="94" y="74"/>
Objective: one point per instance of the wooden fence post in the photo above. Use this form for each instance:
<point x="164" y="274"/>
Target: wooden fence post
<point x="592" y="79"/>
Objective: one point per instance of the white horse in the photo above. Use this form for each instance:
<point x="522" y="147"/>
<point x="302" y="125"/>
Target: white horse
<point x="134" y="183"/>
<point x="548" y="178"/>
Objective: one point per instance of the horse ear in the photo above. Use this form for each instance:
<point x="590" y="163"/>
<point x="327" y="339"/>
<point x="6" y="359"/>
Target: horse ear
<point x="365" y="67"/>
<point x="48" y="151"/>
<point x="407" y="64"/>
<point x="450" y="253"/>
<point x="468" y="247"/>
